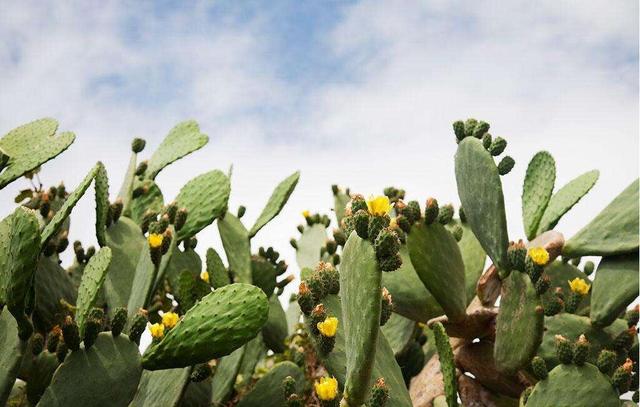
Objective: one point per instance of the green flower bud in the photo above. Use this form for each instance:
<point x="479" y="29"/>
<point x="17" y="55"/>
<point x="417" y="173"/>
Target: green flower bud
<point x="318" y="314"/>
<point x="305" y="298"/>
<point x="92" y="328"/>
<point x="516" y="254"/>
<point x="61" y="351"/>
<point x="390" y="263"/>
<point x="361" y="223"/>
<point x="241" y="211"/>
<point x="387" y="307"/>
<point x="138" y="325"/>
<point x="142" y="168"/>
<point x="606" y="361"/>
<point x="497" y="146"/>
<point x="379" y="393"/>
<point x="458" y="130"/>
<point x="581" y="350"/>
<point x="431" y="211"/>
<point x="506" y="165"/>
<point x="329" y="276"/>
<point x="53" y="337"/>
<point x="481" y="129"/>
<point x="564" y="349"/>
<point x="137" y="145"/>
<point x="288" y="386"/>
<point x="339" y="237"/>
<point x="37" y="344"/>
<point x="119" y="321"/>
<point x="588" y="268"/>
<point x="469" y="127"/>
<point x="539" y="368"/>
<point x="486" y="140"/>
<point x="445" y="214"/>
<point x="632" y="316"/>
<point x="71" y="333"/>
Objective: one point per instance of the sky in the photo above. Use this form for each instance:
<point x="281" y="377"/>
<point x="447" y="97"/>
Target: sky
<point x="360" y="94"/>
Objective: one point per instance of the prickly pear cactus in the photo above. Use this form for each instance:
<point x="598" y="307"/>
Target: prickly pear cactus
<point x="398" y="303"/>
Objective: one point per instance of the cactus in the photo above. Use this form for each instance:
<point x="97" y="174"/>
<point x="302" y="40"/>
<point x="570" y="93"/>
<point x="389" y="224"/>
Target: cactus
<point x="357" y="330"/>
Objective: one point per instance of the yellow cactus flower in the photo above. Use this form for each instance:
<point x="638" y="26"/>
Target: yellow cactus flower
<point x="306" y="214"/>
<point x="393" y="223"/>
<point x="326" y="388"/>
<point x="328" y="327"/>
<point x="157" y="331"/>
<point x="539" y="255"/>
<point x="579" y="286"/>
<point x="379" y="206"/>
<point x="155" y="240"/>
<point x="170" y="319"/>
<point x="204" y="276"/>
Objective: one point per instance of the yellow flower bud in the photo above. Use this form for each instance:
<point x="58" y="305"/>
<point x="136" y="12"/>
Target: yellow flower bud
<point x="170" y="319"/>
<point x="328" y="327"/>
<point x="539" y="255"/>
<point x="155" y="240"/>
<point x="157" y="331"/>
<point x="379" y="205"/>
<point x="204" y="276"/>
<point x="326" y="388"/>
<point x="579" y="286"/>
<point x="306" y="214"/>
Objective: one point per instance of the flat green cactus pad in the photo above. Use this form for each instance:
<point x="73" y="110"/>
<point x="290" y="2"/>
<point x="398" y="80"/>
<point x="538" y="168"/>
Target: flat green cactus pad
<point x="42" y="370"/>
<point x="102" y="203"/>
<point x="570" y="385"/>
<point x="474" y="257"/>
<point x="127" y="185"/>
<point x="360" y="291"/>
<point x="340" y="201"/>
<point x="268" y="390"/>
<point x="126" y="242"/>
<point x="13" y="349"/>
<point x="263" y="274"/>
<point x="400" y="332"/>
<point x="105" y="375"/>
<point x="537" y="190"/>
<point x="614" y="288"/>
<point x="572" y="326"/>
<point x="275" y="330"/>
<point x="92" y="279"/>
<point x="410" y="297"/>
<point x="276" y="202"/>
<point x="385" y="364"/>
<point x="31" y="145"/>
<point x="252" y="352"/>
<point x="52" y="284"/>
<point x="436" y="258"/>
<point x="613" y="231"/>
<point x="480" y="191"/>
<point x="183" y="139"/>
<point x="237" y="310"/>
<point x="218" y="275"/>
<point x="519" y="325"/>
<point x="447" y="365"/>
<point x="235" y="240"/>
<point x="563" y="200"/>
<point x="206" y="198"/>
<point x="560" y="274"/>
<point x="63" y="213"/>
<point x="182" y="260"/>
<point x="225" y="377"/>
<point x="161" y="387"/>
<point x="151" y="200"/>
<point x="309" y="245"/>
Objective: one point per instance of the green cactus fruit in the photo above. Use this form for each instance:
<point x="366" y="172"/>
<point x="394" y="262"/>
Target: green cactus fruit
<point x="437" y="260"/>
<point x="360" y="291"/>
<point x="146" y="199"/>
<point x="614" y="288"/>
<point x="376" y="225"/>
<point x="563" y="200"/>
<point x="387" y="307"/>
<point x="200" y="372"/>
<point x="386" y="244"/>
<point x="37" y="344"/>
<point x="288" y="386"/>
<point x="90" y="286"/>
<point x="469" y="127"/>
<point x="506" y="165"/>
<point x="570" y="385"/>
<point x="632" y="316"/>
<point x="235" y="240"/>
<point x="581" y="351"/>
<point x="606" y="361"/>
<point x="539" y="368"/>
<point x="92" y="328"/>
<point x="183" y="139"/>
<point x="445" y="214"/>
<point x="431" y="211"/>
<point x="115" y="209"/>
<point x="533" y="269"/>
<point x="70" y="333"/>
<point x="329" y="276"/>
<point x="481" y="129"/>
<point x="621" y="378"/>
<point x="317" y="287"/>
<point x="536" y="191"/>
<point x="361" y="223"/>
<point x="543" y="284"/>
<point x="276" y="202"/>
<point x="305" y="298"/>
<point x="137" y="145"/>
<point x="61" y="351"/>
<point x="112" y="363"/>
<point x="457" y="232"/>
<point x="447" y="365"/>
<point x="358" y="203"/>
<point x="332" y="246"/>
<point x="238" y="310"/>
<point x="572" y="302"/>
<point x="161" y="387"/>
<point x="318" y="314"/>
<point x="141" y="168"/>
<point x="268" y="390"/>
<point x="138" y="325"/>
<point x="624" y="340"/>
<point x="390" y="263"/>
<point x="379" y="393"/>
<point x="53" y="337"/>
<point x="13" y="352"/>
<point x="613" y="231"/>
<point x="519" y="325"/>
<point x="588" y="268"/>
<point x="564" y="350"/>
<point x="29" y="146"/>
<point x="119" y="321"/>
<point x="497" y="146"/>
<point x="458" y="130"/>
<point x="275" y="330"/>
<point x="486" y="140"/>
<point x="326" y="344"/>
<point x="339" y="237"/>
<point x="480" y="191"/>
<point x="19" y="249"/>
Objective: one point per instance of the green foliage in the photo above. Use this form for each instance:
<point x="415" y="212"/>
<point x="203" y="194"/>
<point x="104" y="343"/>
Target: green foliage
<point x="447" y="365"/>
<point x="536" y="191"/>
<point x="92" y="279"/>
<point x="276" y="202"/>
<point x="183" y="139"/>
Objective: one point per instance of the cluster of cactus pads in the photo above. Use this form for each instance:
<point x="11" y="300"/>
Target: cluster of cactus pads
<point x="401" y="304"/>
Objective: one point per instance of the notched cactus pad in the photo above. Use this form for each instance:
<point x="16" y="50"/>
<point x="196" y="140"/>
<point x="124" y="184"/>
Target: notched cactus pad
<point x="31" y="145"/>
<point x="183" y="139"/>
<point x="276" y="202"/>
<point x="536" y="191"/>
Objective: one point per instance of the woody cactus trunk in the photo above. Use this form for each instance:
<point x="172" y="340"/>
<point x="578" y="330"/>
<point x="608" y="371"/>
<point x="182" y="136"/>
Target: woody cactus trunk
<point x="398" y="303"/>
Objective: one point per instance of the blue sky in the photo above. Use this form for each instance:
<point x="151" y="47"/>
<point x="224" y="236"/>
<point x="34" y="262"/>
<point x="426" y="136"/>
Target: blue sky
<point x="356" y="93"/>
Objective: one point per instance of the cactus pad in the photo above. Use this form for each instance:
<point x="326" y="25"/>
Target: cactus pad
<point x="275" y="330"/>
<point x="218" y="275"/>
<point x="237" y="310"/>
<point x="400" y="332"/>
<point x="268" y="390"/>
<point x="151" y="200"/>
<point x="91" y="377"/>
<point x="436" y="258"/>
<point x="480" y="191"/>
<point x="235" y="240"/>
<point x="92" y="279"/>
<point x="40" y="374"/>
<point x="360" y="291"/>
<point x="309" y="246"/>
<point x="161" y="387"/>
<point x="519" y="325"/>
<point x="276" y="202"/>
<point x="474" y="257"/>
<point x="563" y="200"/>
<point x="613" y="231"/>
<point x="537" y="190"/>
<point x="31" y="145"/>
<point x="13" y="349"/>
<point x="206" y="198"/>
<point x="225" y="377"/>
<point x="183" y="139"/>
<point x="52" y="284"/>
<point x="102" y="203"/>
<point x="614" y="288"/>
<point x="447" y="365"/>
